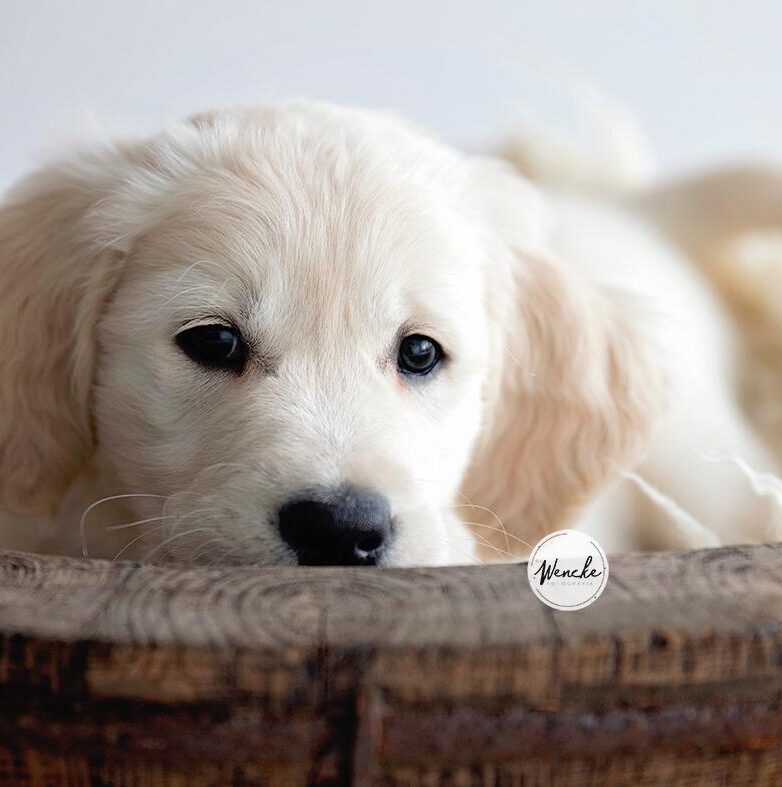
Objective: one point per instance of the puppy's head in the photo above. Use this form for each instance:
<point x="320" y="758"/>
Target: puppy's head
<point x="279" y="321"/>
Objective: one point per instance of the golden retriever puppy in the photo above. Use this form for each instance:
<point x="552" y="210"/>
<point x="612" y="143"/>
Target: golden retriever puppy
<point x="310" y="335"/>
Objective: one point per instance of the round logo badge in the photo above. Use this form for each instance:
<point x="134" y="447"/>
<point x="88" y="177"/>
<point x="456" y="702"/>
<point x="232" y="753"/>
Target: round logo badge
<point x="568" y="570"/>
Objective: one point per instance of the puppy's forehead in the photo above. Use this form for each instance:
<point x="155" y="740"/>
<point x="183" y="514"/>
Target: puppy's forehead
<point x="299" y="222"/>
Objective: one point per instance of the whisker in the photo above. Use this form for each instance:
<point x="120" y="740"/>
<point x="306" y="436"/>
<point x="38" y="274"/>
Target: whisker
<point x="137" y="522"/>
<point x="497" y="519"/>
<point x="219" y="539"/>
<point x="173" y="538"/>
<point x="158" y="527"/>
<point x="156" y="519"/>
<point x="491" y="546"/>
<point x="82" y="521"/>
<point x="187" y="290"/>
<point x="494" y="515"/>
<point x="214" y="294"/>
<point x="217" y="266"/>
<point x="506" y="556"/>
<point x="138" y="538"/>
<point x="500" y="530"/>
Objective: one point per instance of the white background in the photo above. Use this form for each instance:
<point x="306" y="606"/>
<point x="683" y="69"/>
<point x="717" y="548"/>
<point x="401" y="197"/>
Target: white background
<point x="703" y="78"/>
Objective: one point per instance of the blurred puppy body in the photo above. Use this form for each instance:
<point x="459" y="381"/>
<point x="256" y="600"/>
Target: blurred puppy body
<point x="305" y="334"/>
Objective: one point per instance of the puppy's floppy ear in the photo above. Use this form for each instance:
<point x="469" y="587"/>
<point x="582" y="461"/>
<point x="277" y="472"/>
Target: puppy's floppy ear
<point x="576" y="386"/>
<point x="54" y="280"/>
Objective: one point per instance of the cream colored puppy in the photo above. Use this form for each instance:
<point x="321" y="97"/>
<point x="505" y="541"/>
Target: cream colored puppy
<point x="313" y="335"/>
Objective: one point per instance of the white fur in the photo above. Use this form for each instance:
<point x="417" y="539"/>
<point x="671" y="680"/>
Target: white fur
<point x="579" y="343"/>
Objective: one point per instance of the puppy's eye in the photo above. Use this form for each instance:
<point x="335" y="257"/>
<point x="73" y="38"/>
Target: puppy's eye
<point x="214" y="346"/>
<point x="418" y="354"/>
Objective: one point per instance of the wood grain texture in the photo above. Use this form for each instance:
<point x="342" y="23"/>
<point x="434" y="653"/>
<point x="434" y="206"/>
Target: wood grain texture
<point x="142" y="675"/>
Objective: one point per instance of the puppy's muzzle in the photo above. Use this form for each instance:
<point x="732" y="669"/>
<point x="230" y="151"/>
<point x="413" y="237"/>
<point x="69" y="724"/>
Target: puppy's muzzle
<point x="349" y="527"/>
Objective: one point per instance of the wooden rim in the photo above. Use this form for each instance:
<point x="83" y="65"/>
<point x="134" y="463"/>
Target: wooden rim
<point x="390" y="676"/>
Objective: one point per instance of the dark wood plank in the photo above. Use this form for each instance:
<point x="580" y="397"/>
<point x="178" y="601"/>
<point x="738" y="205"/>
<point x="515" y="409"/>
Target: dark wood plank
<point x="126" y="674"/>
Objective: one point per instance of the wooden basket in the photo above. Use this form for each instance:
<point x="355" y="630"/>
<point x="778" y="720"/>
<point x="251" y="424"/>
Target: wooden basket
<point x="141" y="675"/>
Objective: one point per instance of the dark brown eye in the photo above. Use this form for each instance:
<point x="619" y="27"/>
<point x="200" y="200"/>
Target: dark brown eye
<point x="418" y="354"/>
<point x="214" y="346"/>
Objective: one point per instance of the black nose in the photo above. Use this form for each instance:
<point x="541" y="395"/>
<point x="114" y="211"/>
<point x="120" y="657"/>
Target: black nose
<point x="351" y="527"/>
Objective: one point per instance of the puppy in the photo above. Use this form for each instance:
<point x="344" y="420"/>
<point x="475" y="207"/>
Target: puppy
<point x="310" y="335"/>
